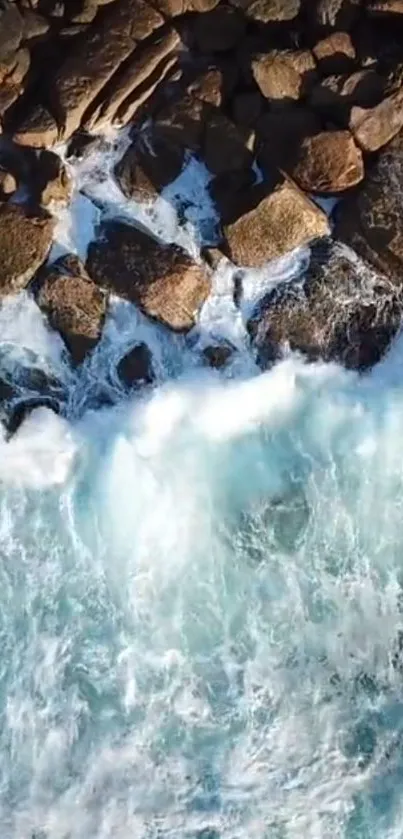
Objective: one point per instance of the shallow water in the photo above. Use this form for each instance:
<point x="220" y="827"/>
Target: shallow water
<point x="201" y="586"/>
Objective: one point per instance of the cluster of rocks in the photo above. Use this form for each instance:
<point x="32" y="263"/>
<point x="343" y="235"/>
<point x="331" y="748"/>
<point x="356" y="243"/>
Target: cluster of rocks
<point x="284" y="101"/>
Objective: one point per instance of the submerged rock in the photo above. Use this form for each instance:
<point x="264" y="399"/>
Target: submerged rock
<point x="343" y="311"/>
<point x="136" y="367"/>
<point x="163" y="280"/>
<point x="218" y="355"/>
<point x="24" y="407"/>
<point x="74" y="304"/>
<point x="25" y="241"/>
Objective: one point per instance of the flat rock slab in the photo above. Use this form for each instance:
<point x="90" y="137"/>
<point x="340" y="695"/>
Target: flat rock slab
<point x="329" y="162"/>
<point x="74" y="305"/>
<point x="281" y="221"/>
<point x="371" y="221"/>
<point x="161" y="279"/>
<point x="25" y="241"/>
<point x="374" y="127"/>
<point x="344" y="311"/>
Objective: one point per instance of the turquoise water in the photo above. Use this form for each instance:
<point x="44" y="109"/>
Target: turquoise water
<point x="200" y="606"/>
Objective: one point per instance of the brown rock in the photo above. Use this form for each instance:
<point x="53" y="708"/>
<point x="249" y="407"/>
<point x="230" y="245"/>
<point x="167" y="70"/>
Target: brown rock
<point x="86" y="12"/>
<point x="11" y="27"/>
<point x="35" y="27"/>
<point x="335" y="54"/>
<point x="182" y="122"/>
<point x="173" y="8"/>
<point x="8" y="184"/>
<point x="25" y="240"/>
<point x="96" y="58"/>
<point x="281" y="221"/>
<point x="37" y="129"/>
<point x="280" y="134"/>
<point x="225" y="146"/>
<point x="147" y="167"/>
<point x="375" y="127"/>
<point x="219" y="30"/>
<point x="336" y="13"/>
<point x="161" y="279"/>
<point x="209" y="87"/>
<point x="284" y="75"/>
<point x="329" y="162"/>
<point x="136" y="367"/>
<point x="132" y="107"/>
<point x="371" y="220"/>
<point x="385" y="7"/>
<point x="74" y="304"/>
<point x="343" y="312"/>
<point x="269" y="11"/>
<point x="142" y="66"/>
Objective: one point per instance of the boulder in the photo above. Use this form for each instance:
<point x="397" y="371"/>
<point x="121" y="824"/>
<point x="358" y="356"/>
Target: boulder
<point x="182" y="122"/>
<point x="11" y="29"/>
<point x="218" y="355"/>
<point x="283" y="219"/>
<point x="74" y="305"/>
<point x="335" y="54"/>
<point x="371" y="220"/>
<point x="136" y="367"/>
<point x="225" y="147"/>
<point x="328" y="162"/>
<point x="284" y="75"/>
<point x="138" y="79"/>
<point x="340" y="14"/>
<point x="343" y="311"/>
<point x="35" y="26"/>
<point x="8" y="184"/>
<point x="385" y="7"/>
<point x="269" y="11"/>
<point x="173" y="8"/>
<point x="25" y="241"/>
<point x="334" y="97"/>
<point x="229" y="191"/>
<point x="147" y="167"/>
<point x="163" y="280"/>
<point x="95" y="58"/>
<point x="51" y="180"/>
<point x="22" y="408"/>
<point x="37" y="128"/>
<point x="210" y="87"/>
<point x="375" y="127"/>
<point x="247" y="107"/>
<point x="219" y="30"/>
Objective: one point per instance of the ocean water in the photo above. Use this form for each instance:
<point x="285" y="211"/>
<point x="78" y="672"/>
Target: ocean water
<point x="201" y="583"/>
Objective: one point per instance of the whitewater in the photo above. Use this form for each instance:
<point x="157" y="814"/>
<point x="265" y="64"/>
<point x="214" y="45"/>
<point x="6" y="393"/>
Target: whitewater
<point x="201" y="582"/>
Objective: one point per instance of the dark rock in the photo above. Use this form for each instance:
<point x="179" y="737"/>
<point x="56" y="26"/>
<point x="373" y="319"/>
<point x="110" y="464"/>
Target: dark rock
<point x="7" y="391"/>
<point x="335" y="54"/>
<point x="375" y="127"/>
<point x="8" y="184"/>
<point x="51" y="180"/>
<point x="74" y="304"/>
<point x="147" y="167"/>
<point x="211" y="86"/>
<point x="86" y="12"/>
<point x="161" y="279"/>
<point x="173" y="8"/>
<point x="247" y="107"/>
<point x="280" y="134"/>
<point x="219" y="30"/>
<point x="229" y="190"/>
<point x="340" y="14"/>
<point x="83" y="144"/>
<point x="218" y="355"/>
<point x="37" y="128"/>
<point x="182" y="122"/>
<point x="269" y="11"/>
<point x="335" y="96"/>
<point x="344" y="311"/>
<point x="11" y="29"/>
<point x="25" y="241"/>
<point x="328" y="162"/>
<point x="371" y="220"/>
<point x="224" y="146"/>
<point x="136" y="367"/>
<point x="282" y="220"/>
<point x="385" y="7"/>
<point x="24" y="407"/>
<point x="35" y="27"/>
<point x="284" y="75"/>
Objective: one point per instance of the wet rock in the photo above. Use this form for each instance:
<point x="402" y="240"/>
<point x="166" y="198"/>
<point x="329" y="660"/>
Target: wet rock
<point x="224" y="145"/>
<point x="74" y="305"/>
<point x="335" y="54"/>
<point x="37" y="128"/>
<point x="229" y="190"/>
<point x="344" y="311"/>
<point x="336" y="13"/>
<point x="375" y="127"/>
<point x="280" y="134"/>
<point x="161" y="279"/>
<point x="138" y="79"/>
<point x="282" y="220"/>
<point x="51" y="180"/>
<point x="136" y="367"/>
<point x="83" y="144"/>
<point x="7" y="391"/>
<point x="24" y="407"/>
<point x="8" y="184"/>
<point x="147" y="167"/>
<point x="182" y="122"/>
<point x="219" y="30"/>
<point x="269" y="11"/>
<point x="96" y="58"/>
<point x="218" y="355"/>
<point x="371" y="220"/>
<point x="25" y="241"/>
<point x="329" y="162"/>
<point x="284" y="75"/>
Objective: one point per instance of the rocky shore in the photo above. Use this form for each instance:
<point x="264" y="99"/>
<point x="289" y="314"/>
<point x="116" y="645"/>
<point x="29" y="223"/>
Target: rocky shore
<point x="286" y="102"/>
